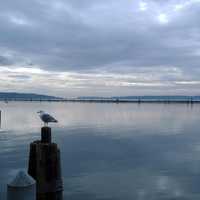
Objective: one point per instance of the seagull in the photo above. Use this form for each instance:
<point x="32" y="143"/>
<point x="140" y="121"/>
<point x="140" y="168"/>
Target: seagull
<point x="46" y="118"/>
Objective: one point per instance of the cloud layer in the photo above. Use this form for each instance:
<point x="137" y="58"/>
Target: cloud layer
<point x="107" y="47"/>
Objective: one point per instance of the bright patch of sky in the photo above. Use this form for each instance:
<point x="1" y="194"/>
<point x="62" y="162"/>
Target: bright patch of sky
<point x="143" y="6"/>
<point x="24" y="78"/>
<point x="163" y="18"/>
<point x="185" y="4"/>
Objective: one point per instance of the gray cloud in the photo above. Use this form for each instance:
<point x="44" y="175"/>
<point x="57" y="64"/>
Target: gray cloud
<point x="5" y="61"/>
<point x="102" y="36"/>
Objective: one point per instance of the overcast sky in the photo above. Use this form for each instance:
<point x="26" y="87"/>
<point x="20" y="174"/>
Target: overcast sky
<point x="100" y="47"/>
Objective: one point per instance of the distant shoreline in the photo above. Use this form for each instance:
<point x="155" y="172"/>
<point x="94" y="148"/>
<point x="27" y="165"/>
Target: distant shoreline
<point x="138" y="101"/>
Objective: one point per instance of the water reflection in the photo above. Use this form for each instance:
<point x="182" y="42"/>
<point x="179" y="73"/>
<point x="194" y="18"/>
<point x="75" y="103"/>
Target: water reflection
<point x="111" y="151"/>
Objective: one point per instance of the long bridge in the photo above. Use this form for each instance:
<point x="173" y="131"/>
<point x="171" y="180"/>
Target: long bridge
<point x="104" y="100"/>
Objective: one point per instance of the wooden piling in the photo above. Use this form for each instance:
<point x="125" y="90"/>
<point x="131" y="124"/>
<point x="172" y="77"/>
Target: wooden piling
<point x="45" y="167"/>
<point x="46" y="135"/>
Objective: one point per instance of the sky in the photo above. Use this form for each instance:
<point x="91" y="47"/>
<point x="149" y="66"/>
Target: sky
<point x="75" y="48"/>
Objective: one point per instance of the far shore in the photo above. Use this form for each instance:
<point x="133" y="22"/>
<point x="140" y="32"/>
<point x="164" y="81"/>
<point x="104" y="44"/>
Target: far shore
<point x="166" y="101"/>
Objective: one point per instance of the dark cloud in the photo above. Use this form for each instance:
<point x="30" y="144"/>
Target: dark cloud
<point x="5" y="61"/>
<point x="20" y="77"/>
<point x="74" y="34"/>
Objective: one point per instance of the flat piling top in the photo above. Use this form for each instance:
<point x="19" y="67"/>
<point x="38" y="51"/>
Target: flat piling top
<point x="22" y="179"/>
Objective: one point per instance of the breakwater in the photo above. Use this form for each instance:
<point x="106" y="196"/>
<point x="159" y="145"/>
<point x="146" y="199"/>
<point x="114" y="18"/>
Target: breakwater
<point x="186" y="101"/>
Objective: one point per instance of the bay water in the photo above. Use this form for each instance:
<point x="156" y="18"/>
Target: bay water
<point x="110" y="151"/>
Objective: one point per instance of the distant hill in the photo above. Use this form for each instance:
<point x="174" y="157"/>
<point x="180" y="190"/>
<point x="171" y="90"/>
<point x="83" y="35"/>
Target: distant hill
<point x="25" y="96"/>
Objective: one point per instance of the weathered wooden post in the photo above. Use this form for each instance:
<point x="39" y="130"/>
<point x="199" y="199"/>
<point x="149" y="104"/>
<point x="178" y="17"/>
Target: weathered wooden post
<point x="45" y="168"/>
<point x="22" y="187"/>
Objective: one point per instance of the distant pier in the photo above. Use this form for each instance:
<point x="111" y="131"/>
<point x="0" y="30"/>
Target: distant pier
<point x="110" y="100"/>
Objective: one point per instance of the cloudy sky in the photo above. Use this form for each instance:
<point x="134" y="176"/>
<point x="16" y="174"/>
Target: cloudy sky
<point x="100" y="47"/>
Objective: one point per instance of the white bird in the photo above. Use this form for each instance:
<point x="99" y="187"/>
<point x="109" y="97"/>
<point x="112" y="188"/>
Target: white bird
<point x="46" y="118"/>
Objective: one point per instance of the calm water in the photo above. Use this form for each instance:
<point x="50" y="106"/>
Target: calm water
<point x="111" y="151"/>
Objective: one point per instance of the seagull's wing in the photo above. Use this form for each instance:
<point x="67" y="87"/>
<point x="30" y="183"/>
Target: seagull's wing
<point x="48" y="118"/>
